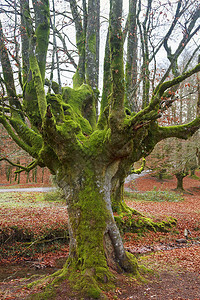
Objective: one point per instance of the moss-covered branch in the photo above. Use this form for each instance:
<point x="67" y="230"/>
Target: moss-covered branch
<point x="79" y="77"/>
<point x="16" y="138"/>
<point x="38" y="44"/>
<point x="39" y="87"/>
<point x="62" y="138"/>
<point x="131" y="64"/>
<point x="31" y="166"/>
<point x="152" y="110"/>
<point x="29" y="136"/>
<point x="139" y="171"/>
<point x="180" y="131"/>
<point x="24" y="41"/>
<point x="116" y="52"/>
<point x="42" y="27"/>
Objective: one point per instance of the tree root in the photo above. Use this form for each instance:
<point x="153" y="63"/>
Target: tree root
<point x="90" y="283"/>
<point x="123" y="208"/>
<point x="128" y="222"/>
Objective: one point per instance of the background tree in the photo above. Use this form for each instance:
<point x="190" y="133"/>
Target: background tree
<point x="89" y="154"/>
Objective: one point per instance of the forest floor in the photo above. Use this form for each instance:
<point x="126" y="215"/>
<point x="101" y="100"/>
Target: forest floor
<point x="175" y="265"/>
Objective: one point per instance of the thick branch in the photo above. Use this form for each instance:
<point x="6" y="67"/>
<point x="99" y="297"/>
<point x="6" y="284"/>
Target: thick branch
<point x="38" y="46"/>
<point x="92" y="48"/>
<point x="131" y="64"/>
<point x="38" y="84"/>
<point x="17" y="140"/>
<point x="92" y="33"/>
<point x="116" y="51"/>
<point x="42" y="23"/>
<point x="79" y="77"/>
<point x="180" y="131"/>
<point x="29" y="136"/>
<point x="102" y="122"/>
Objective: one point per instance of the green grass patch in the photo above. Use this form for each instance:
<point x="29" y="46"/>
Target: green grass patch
<point x="154" y="196"/>
<point x="54" y="196"/>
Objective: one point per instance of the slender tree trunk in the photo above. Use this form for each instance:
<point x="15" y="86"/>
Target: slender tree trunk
<point x="179" y="177"/>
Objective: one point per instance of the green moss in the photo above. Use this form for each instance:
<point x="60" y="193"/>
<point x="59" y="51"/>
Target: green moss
<point x="82" y="102"/>
<point x="92" y="43"/>
<point x="68" y="128"/>
<point x="42" y="34"/>
<point x="132" y="264"/>
<point x="95" y="144"/>
<point x="30" y="104"/>
<point x="77" y="80"/>
<point x="56" y="106"/>
<point x="32" y="138"/>
<point x="139" y="171"/>
<point x="36" y="87"/>
<point x="91" y="236"/>
<point x="48" y="294"/>
<point x="48" y="155"/>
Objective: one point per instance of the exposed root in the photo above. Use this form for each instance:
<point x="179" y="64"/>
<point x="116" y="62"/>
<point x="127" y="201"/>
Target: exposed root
<point x="138" y="224"/>
<point x="90" y="283"/>
<point x="123" y="208"/>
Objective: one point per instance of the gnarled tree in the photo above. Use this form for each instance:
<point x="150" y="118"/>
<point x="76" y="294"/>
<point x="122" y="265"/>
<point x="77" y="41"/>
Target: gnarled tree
<point x="88" y="157"/>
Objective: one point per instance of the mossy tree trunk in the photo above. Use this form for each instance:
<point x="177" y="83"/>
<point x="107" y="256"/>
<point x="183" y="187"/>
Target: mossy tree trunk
<point x="95" y="241"/>
<point x="90" y="162"/>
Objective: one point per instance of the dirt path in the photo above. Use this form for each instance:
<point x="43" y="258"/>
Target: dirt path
<point x="34" y="189"/>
